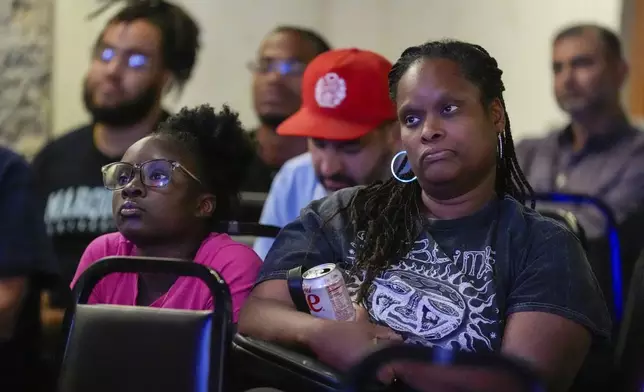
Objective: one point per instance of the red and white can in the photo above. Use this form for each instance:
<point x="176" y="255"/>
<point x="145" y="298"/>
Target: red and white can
<point x="327" y="294"/>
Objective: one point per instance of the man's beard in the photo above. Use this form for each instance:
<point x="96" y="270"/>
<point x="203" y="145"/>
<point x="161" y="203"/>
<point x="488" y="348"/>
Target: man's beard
<point x="380" y="172"/>
<point x="272" y="120"/>
<point x="338" y="178"/>
<point x="588" y="107"/>
<point x="126" y="113"/>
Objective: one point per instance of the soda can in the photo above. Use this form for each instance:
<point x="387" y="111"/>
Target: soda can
<point x="327" y="294"/>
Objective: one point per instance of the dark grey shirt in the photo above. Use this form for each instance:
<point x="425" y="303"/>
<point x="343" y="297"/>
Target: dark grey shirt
<point x="24" y="245"/>
<point x="610" y="167"/>
<point x="462" y="278"/>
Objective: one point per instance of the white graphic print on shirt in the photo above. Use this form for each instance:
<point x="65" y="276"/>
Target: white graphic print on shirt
<point x="79" y="209"/>
<point x="435" y="300"/>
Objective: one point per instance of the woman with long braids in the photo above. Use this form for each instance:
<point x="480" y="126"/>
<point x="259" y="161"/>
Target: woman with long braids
<point x="445" y="253"/>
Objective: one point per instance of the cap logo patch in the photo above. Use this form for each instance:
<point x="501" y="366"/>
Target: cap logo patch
<point x="330" y="90"/>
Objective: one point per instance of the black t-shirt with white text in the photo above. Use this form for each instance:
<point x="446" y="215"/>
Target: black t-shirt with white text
<point x="462" y="278"/>
<point x="78" y="208"/>
<point x="259" y="175"/>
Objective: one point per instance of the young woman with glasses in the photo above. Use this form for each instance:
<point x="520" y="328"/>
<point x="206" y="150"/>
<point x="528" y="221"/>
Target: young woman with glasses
<point x="168" y="191"/>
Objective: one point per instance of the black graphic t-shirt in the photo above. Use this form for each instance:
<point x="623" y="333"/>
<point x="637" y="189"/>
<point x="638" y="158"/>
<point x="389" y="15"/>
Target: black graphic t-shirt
<point x="259" y="176"/>
<point x="78" y="208"/>
<point x="462" y="278"/>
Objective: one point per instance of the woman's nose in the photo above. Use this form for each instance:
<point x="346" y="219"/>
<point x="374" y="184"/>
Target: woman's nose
<point x="133" y="189"/>
<point x="433" y="130"/>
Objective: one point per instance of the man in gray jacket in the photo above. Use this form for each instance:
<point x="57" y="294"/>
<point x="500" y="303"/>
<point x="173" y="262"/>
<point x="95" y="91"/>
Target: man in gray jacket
<point x="599" y="153"/>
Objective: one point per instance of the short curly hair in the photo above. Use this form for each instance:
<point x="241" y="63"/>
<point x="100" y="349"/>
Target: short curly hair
<point x="179" y="33"/>
<point x="221" y="147"/>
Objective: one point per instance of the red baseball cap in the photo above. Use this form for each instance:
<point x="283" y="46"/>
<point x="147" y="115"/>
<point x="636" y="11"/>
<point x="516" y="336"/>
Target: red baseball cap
<point x="345" y="95"/>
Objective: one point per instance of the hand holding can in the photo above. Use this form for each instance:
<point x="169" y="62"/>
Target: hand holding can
<point x="343" y="344"/>
<point x="326" y="293"/>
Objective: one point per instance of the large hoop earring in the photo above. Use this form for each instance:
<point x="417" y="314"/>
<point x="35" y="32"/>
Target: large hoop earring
<point x="393" y="168"/>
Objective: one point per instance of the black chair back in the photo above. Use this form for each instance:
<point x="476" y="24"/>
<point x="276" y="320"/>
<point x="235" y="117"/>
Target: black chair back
<point x="250" y="206"/>
<point x="246" y="232"/>
<point x="132" y="348"/>
<point x="447" y="370"/>
<point x="269" y="364"/>
<point x="265" y="364"/>
<point x="235" y="228"/>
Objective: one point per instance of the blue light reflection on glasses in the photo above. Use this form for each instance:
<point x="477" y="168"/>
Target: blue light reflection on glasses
<point x="134" y="60"/>
<point x="283" y="67"/>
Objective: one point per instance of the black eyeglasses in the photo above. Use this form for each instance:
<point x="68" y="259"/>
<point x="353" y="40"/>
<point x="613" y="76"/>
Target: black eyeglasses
<point x="155" y="173"/>
<point x="286" y="67"/>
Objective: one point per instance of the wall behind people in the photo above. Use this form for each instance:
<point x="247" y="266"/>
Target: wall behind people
<point x="519" y="32"/>
<point x="25" y="73"/>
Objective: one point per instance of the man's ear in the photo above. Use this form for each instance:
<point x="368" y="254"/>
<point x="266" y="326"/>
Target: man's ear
<point x="206" y="205"/>
<point x="168" y="81"/>
<point x="622" y="72"/>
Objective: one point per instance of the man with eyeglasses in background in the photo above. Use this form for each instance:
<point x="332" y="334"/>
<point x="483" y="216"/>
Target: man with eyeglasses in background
<point x="350" y="124"/>
<point x="143" y="51"/>
<point x="277" y="78"/>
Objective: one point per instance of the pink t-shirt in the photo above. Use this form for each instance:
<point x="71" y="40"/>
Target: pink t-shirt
<point x="237" y="263"/>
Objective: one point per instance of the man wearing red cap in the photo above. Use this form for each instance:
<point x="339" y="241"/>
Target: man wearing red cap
<point x="350" y="123"/>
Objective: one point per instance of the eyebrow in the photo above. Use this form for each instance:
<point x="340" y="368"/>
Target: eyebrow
<point x="348" y="143"/>
<point x="415" y="103"/>
<point x="577" y="57"/>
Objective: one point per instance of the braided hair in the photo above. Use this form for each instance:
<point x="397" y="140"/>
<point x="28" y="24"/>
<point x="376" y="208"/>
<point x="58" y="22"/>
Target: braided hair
<point x="221" y="148"/>
<point x="388" y="212"/>
<point x="179" y="32"/>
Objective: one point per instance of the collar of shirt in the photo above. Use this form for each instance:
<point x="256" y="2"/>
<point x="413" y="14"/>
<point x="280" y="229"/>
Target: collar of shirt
<point x="618" y="131"/>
